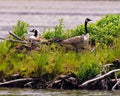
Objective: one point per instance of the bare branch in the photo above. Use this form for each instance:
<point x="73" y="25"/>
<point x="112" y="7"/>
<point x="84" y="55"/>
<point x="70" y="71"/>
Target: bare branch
<point x="2" y="38"/>
<point x="118" y="82"/>
<point x="18" y="38"/>
<point x="99" y="78"/>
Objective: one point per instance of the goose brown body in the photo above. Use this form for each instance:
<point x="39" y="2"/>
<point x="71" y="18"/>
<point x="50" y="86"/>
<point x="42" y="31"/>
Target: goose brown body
<point x="79" y="41"/>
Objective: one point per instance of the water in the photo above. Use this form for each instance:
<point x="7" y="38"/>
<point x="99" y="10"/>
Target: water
<point x="31" y="92"/>
<point x="46" y="13"/>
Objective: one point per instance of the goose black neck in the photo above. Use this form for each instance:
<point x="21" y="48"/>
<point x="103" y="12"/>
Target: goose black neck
<point x="36" y="34"/>
<point x="86" y="30"/>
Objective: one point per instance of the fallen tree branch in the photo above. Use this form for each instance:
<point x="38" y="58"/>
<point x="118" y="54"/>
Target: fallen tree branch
<point x="16" y="81"/>
<point x="2" y="38"/>
<point x="98" y="78"/>
<point x="11" y="40"/>
<point x="18" y="38"/>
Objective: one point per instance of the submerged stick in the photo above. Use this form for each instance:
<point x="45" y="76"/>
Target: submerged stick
<point x="99" y="78"/>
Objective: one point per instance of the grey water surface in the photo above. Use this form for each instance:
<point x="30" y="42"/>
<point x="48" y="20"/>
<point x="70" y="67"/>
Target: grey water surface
<point x="31" y="92"/>
<point x="46" y="13"/>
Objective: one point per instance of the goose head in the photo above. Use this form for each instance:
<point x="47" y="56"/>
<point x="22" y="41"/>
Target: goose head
<point x="36" y="35"/>
<point x="35" y="31"/>
<point x="87" y="20"/>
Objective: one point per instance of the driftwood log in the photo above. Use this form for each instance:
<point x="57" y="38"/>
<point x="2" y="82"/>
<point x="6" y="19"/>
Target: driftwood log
<point x="104" y="79"/>
<point x="98" y="78"/>
<point x="18" y="38"/>
<point x="16" y="82"/>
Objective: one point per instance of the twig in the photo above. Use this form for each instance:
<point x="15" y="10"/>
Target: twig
<point x="108" y="65"/>
<point x="93" y="50"/>
<point x="17" y="41"/>
<point x="11" y="40"/>
<point x="118" y="82"/>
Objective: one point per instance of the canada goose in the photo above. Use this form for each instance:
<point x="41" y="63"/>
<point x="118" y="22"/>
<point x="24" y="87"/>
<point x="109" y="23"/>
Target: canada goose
<point x="79" y="41"/>
<point x="36" y="36"/>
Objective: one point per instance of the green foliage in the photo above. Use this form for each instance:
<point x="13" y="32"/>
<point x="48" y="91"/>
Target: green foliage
<point x="89" y="66"/>
<point x="57" y="32"/>
<point x="41" y="61"/>
<point x="49" y="34"/>
<point x="4" y="48"/>
<point x="103" y="31"/>
<point x="107" y="29"/>
<point x="54" y="60"/>
<point x="20" y="29"/>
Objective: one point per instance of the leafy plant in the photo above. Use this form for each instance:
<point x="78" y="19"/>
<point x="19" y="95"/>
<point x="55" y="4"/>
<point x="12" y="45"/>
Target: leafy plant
<point x="4" y="47"/>
<point x="20" y="29"/>
<point x="89" y="66"/>
<point x="103" y="31"/>
<point x="57" y="32"/>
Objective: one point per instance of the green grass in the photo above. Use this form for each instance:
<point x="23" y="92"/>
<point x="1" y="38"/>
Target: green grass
<point x="54" y="60"/>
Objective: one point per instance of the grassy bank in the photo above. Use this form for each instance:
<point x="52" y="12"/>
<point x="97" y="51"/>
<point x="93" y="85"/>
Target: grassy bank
<point x="53" y="60"/>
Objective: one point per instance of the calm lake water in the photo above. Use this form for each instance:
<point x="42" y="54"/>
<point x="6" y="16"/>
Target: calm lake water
<point x="30" y="92"/>
<point x="46" y="13"/>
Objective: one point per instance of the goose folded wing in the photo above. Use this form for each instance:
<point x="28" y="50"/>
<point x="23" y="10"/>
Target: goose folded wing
<point x="72" y="40"/>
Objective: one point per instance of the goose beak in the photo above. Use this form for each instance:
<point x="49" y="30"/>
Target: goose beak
<point x="87" y="20"/>
<point x="90" y="19"/>
<point x="31" y="31"/>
